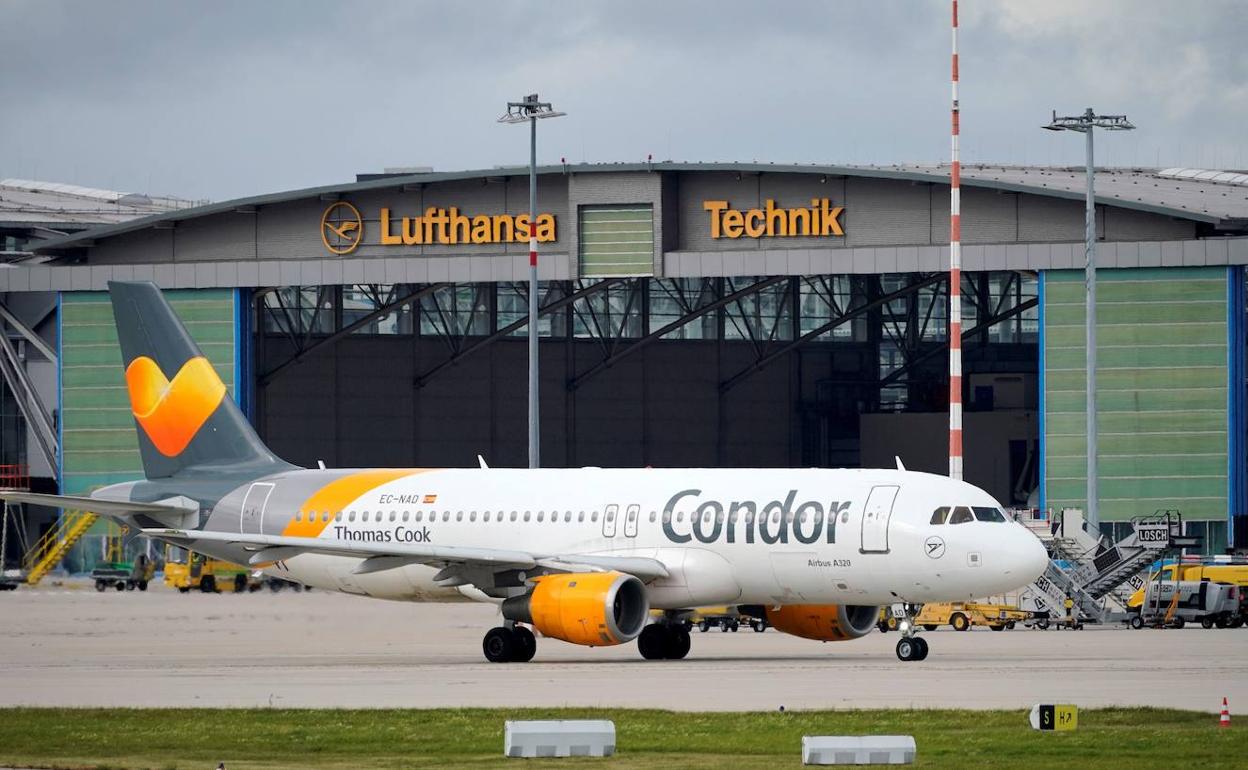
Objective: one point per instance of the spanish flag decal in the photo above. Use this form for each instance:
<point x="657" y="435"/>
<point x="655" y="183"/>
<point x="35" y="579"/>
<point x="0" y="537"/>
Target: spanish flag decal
<point x="430" y="499"/>
<point x="171" y="412"/>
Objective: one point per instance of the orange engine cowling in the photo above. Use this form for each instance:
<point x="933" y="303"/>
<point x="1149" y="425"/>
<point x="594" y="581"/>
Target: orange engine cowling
<point x="824" y="622"/>
<point x="596" y="609"/>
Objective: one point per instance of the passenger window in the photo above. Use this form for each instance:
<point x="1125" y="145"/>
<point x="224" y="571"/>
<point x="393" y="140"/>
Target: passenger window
<point x="324" y="515"/>
<point x="940" y="514"/>
<point x="653" y="515"/>
<point x="526" y="515"/>
<point x="513" y="515"/>
<point x="989" y="514"/>
<point x="594" y="516"/>
<point x="406" y="514"/>
<point x="540" y="515"/>
<point x="351" y="516"/>
<point x="298" y="515"/>
<point x="580" y="516"/>
<point x="393" y="515"/>
<point x="338" y="516"/>
<point x="459" y="516"/>
<point x="485" y="516"/>
<point x="961" y="515"/>
<point x="472" y="516"/>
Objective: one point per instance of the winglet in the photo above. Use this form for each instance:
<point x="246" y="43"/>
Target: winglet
<point x="900" y="467"/>
<point x="481" y="460"/>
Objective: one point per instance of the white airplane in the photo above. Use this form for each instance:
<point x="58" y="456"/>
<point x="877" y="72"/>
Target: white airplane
<point x="580" y="555"/>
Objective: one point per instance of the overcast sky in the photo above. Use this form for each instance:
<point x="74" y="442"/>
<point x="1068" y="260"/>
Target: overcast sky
<point x="225" y="99"/>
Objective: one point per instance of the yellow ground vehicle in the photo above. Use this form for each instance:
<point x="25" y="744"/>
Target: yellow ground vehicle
<point x="725" y="618"/>
<point x="1232" y="574"/>
<point x="960" y="615"/>
<point x="186" y="571"/>
<point x="1184" y="580"/>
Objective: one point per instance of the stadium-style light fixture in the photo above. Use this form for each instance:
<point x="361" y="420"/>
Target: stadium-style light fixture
<point x="532" y="110"/>
<point x="1085" y="124"/>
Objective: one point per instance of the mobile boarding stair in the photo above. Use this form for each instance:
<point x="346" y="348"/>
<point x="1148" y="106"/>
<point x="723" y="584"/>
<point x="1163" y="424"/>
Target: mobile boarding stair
<point x="1098" y="576"/>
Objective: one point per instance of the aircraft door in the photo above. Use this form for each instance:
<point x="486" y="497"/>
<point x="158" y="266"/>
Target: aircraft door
<point x="251" y="520"/>
<point x="609" y="515"/>
<point x="875" y="516"/>
<point x="630" y="520"/>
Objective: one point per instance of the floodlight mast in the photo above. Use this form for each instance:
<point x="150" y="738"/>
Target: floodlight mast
<point x="531" y="110"/>
<point x="1085" y="124"/>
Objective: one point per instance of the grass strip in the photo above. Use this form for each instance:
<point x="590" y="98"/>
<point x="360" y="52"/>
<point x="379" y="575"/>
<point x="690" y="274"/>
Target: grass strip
<point x="274" y="739"/>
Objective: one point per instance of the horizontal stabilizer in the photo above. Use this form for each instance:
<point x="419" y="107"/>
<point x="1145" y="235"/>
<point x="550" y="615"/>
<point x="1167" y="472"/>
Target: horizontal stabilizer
<point x="178" y="506"/>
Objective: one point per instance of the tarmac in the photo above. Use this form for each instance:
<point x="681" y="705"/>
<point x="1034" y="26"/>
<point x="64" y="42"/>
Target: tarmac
<point x="66" y="645"/>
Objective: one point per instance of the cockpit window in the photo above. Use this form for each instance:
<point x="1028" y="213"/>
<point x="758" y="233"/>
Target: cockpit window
<point x="940" y="514"/>
<point x="989" y="514"/>
<point x="961" y="515"/>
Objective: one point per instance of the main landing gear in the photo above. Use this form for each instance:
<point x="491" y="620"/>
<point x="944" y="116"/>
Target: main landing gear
<point x="910" y="646"/>
<point x="514" y="644"/>
<point x="664" y="641"/>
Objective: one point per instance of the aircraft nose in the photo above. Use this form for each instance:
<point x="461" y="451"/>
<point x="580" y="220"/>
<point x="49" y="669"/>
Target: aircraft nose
<point x="1033" y="558"/>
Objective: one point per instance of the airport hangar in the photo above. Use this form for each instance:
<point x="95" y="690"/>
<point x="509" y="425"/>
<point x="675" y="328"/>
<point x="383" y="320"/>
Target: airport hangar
<point x="700" y="314"/>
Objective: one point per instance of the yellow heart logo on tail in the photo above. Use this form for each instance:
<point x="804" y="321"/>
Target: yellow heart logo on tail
<point x="172" y="412"/>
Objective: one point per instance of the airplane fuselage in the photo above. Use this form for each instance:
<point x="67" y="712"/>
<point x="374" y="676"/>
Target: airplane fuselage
<point x="743" y="536"/>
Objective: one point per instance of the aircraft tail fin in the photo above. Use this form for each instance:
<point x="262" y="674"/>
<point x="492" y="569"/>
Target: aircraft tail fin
<point x="183" y="414"/>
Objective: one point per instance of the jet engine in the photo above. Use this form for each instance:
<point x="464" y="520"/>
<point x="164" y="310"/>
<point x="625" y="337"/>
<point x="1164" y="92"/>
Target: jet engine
<point x="596" y="609"/>
<point x="824" y="622"/>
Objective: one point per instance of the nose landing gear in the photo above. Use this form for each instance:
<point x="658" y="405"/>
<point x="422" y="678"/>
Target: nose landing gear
<point x="910" y="646"/>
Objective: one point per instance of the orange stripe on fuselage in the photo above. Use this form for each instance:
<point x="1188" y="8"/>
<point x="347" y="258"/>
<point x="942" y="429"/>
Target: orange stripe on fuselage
<point x="338" y="494"/>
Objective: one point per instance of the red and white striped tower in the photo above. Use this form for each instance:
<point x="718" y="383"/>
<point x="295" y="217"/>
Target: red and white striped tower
<point x="955" y="279"/>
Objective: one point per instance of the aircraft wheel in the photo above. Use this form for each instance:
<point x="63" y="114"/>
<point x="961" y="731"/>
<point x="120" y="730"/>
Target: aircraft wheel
<point x="652" y="643"/>
<point x="921" y="644"/>
<point x="907" y="649"/>
<point x="678" y="644"/>
<point x="526" y="645"/>
<point x="499" y="645"/>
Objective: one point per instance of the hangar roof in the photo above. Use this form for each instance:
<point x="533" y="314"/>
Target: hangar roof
<point x="27" y="203"/>
<point x="1220" y="203"/>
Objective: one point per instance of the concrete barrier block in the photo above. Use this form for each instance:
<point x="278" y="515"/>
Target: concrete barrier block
<point x="559" y="738"/>
<point x="858" y="749"/>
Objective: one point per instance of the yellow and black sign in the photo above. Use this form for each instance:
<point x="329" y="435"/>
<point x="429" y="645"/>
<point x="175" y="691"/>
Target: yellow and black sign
<point x="1054" y="716"/>
<point x="821" y="219"/>
<point x="342" y="228"/>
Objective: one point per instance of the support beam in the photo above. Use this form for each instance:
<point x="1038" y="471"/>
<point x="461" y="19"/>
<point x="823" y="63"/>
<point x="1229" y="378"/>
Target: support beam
<point x="613" y="359"/>
<point x="28" y="402"/>
<point x="28" y="333"/>
<point x="558" y="304"/>
<point x="862" y="310"/>
<point x="269" y="376"/>
<point x="1018" y="309"/>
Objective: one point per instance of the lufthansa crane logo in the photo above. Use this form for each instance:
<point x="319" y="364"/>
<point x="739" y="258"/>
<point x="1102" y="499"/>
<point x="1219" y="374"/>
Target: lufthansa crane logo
<point x="342" y="228"/>
<point x="934" y="547"/>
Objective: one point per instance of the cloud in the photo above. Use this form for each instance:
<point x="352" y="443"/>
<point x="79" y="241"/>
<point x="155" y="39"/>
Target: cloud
<point x="233" y="98"/>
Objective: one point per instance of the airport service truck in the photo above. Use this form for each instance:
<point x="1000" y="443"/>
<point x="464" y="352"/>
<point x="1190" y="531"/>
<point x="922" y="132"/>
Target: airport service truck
<point x="1171" y="603"/>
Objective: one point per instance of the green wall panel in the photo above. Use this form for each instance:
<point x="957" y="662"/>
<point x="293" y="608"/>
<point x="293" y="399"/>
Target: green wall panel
<point x="98" y="442"/>
<point x="1161" y="391"/>
<point x="616" y="240"/>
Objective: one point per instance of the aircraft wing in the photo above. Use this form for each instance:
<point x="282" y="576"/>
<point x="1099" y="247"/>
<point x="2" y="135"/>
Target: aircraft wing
<point x="108" y="507"/>
<point x="382" y="556"/>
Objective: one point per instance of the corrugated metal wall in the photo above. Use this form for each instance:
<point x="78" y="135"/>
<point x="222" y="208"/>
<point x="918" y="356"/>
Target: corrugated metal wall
<point x="1162" y="353"/>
